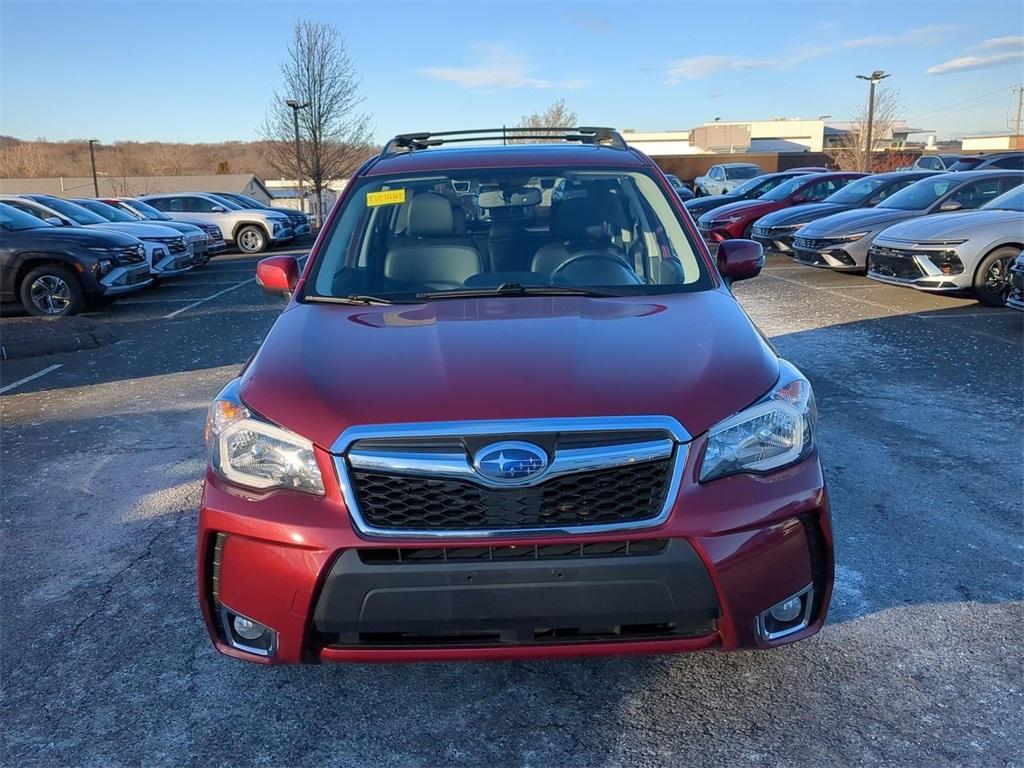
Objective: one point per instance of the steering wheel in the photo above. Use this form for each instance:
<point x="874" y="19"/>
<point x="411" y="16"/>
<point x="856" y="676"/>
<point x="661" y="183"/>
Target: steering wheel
<point x="597" y="256"/>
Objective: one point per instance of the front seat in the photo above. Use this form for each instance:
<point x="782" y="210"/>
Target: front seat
<point x="579" y="223"/>
<point x="432" y="256"/>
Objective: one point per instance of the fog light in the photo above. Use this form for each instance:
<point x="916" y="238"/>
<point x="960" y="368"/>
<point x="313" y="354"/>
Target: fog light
<point x="784" y="612"/>
<point x="247" y="635"/>
<point x="787" y="617"/>
<point x="250" y="630"/>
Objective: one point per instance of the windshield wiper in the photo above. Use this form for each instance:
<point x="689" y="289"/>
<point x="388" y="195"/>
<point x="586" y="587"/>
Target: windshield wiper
<point x="350" y="299"/>
<point x="515" y="289"/>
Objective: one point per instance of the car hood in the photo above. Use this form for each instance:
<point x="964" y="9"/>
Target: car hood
<point x="957" y="226"/>
<point x="798" y="214"/>
<point x="325" y="367"/>
<point x="140" y="229"/>
<point x="184" y="227"/>
<point x="745" y="208"/>
<point x="859" y="219"/>
<point x="83" y="236"/>
<point x="710" y="201"/>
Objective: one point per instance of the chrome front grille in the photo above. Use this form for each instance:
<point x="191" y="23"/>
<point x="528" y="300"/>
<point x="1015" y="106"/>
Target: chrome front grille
<point x="430" y="480"/>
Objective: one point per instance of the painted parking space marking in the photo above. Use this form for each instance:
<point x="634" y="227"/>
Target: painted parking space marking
<point x="197" y="303"/>
<point x="33" y="377"/>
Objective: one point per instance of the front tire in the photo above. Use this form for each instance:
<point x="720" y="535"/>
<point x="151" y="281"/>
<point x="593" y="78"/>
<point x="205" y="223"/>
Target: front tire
<point x="51" y="291"/>
<point x="251" y="239"/>
<point x="992" y="278"/>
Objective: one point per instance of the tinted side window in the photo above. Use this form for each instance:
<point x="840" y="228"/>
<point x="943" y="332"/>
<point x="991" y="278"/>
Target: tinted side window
<point x="1013" y="162"/>
<point x="932" y="163"/>
<point x="160" y="203"/>
<point x="896" y="186"/>
<point x="197" y="205"/>
<point x="716" y="173"/>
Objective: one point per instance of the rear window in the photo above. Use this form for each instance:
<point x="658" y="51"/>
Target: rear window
<point x="609" y="232"/>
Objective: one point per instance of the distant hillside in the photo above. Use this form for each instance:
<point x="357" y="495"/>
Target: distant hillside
<point x="35" y="159"/>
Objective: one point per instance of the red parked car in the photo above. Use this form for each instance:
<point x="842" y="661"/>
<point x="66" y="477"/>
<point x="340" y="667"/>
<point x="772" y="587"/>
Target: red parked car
<point x="493" y="422"/>
<point x="737" y="219"/>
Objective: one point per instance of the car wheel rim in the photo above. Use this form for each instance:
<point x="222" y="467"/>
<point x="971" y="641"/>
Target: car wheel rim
<point x="997" y="279"/>
<point x="50" y="294"/>
<point x="251" y="240"/>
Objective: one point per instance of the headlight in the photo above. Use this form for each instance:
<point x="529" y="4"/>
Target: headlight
<point x="733" y="219"/>
<point x="774" y="432"/>
<point x="248" y="451"/>
<point x="846" y="238"/>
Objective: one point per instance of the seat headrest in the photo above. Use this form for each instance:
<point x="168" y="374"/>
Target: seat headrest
<point x="430" y="215"/>
<point x="575" y="218"/>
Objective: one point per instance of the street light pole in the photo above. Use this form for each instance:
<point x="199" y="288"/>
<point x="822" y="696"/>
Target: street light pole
<point x="295" y="106"/>
<point x="92" y="159"/>
<point x="874" y="78"/>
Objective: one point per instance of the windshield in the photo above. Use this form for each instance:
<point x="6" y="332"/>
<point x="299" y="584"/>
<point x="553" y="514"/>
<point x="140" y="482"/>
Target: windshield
<point x="76" y="213"/>
<point x="230" y="204"/>
<point x="965" y="164"/>
<point x="607" y="232"/>
<point x="785" y="189"/>
<point x="742" y="172"/>
<point x="108" y="212"/>
<point x="919" y="195"/>
<point x="146" y="210"/>
<point x="858" y="191"/>
<point x="1008" y="201"/>
<point x="13" y="220"/>
<point x="245" y="201"/>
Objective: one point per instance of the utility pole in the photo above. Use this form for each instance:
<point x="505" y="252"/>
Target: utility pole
<point x="92" y="159"/>
<point x="874" y="78"/>
<point x="1020" y="104"/>
<point x="298" y="152"/>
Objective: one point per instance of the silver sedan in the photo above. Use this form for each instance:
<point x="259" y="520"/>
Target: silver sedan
<point x="969" y="252"/>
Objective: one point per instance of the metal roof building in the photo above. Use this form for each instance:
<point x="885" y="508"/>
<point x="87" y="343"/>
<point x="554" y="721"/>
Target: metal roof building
<point x="118" y="186"/>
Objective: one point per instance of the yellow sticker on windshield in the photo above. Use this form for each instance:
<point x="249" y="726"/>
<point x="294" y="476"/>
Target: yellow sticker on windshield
<point x="387" y="197"/>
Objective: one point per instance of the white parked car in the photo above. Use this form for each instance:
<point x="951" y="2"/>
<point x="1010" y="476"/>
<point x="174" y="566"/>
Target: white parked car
<point x="168" y="251"/>
<point x="723" y="178"/>
<point x="252" y="231"/>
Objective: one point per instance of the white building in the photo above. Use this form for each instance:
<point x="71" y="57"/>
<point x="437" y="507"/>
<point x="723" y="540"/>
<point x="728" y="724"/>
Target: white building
<point x="779" y="135"/>
<point x="991" y="143"/>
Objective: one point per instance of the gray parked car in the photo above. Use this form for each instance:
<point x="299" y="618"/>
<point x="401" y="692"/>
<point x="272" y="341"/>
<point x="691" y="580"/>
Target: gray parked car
<point x="841" y="241"/>
<point x="299" y="220"/>
<point x="775" y="230"/>
<point x="251" y="230"/>
<point x="969" y="252"/>
<point x="725" y="177"/>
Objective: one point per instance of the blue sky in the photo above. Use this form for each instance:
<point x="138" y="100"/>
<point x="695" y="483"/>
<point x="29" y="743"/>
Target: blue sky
<point x="204" y="71"/>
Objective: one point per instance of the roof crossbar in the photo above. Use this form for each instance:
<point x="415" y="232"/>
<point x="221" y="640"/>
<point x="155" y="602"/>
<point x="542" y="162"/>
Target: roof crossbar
<point x="584" y="134"/>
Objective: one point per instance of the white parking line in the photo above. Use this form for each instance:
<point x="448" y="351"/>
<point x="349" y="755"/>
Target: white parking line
<point x="211" y="297"/>
<point x="195" y="304"/>
<point x="27" y="379"/>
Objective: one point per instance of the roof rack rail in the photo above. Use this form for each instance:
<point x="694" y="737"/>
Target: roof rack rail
<point x="410" y="142"/>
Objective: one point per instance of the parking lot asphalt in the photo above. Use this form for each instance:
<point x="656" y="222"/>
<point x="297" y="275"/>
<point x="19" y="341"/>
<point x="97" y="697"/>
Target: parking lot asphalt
<point x="106" y="662"/>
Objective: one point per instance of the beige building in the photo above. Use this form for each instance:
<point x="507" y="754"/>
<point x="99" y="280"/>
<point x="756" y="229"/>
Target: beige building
<point x="736" y="136"/>
<point x="991" y="143"/>
<point x="131" y="186"/>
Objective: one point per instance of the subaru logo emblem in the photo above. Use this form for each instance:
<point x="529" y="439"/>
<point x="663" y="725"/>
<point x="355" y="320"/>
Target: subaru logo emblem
<point x="510" y="462"/>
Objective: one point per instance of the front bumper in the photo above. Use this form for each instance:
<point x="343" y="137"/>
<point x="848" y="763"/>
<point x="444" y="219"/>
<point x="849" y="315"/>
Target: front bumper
<point x="125" y="279"/>
<point x="173" y="264"/>
<point x="728" y="551"/>
<point x="778" y="242"/>
<point x="282" y="235"/>
<point x="917" y="268"/>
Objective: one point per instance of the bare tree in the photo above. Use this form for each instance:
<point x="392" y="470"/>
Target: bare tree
<point x="557" y="115"/>
<point x="849" y="152"/>
<point x="334" y="135"/>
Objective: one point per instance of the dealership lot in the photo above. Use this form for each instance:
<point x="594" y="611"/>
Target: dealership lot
<point x="107" y="661"/>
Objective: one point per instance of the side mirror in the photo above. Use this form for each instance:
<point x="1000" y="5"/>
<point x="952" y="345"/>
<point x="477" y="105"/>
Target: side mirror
<point x="219" y="209"/>
<point x="950" y="205"/>
<point x="54" y="221"/>
<point x="739" y="259"/>
<point x="278" y="275"/>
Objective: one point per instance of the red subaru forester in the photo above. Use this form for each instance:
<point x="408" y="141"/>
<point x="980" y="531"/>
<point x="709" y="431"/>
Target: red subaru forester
<point x="512" y="410"/>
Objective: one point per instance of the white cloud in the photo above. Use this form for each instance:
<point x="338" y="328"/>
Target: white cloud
<point x="697" y="67"/>
<point x="497" y="67"/>
<point x="1010" y="41"/>
<point x="967" y="63"/>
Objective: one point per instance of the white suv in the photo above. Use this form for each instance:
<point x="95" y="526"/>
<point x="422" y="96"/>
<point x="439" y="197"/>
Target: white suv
<point x="723" y="178"/>
<point x="252" y="231"/>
